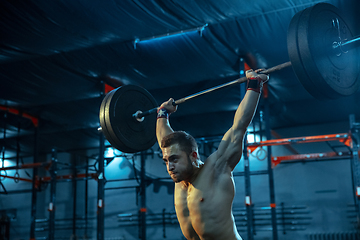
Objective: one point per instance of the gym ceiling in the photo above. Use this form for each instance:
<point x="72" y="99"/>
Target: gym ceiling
<point x="56" y="56"/>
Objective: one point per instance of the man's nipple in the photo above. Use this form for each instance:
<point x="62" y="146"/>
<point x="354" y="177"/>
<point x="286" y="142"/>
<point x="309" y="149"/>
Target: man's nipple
<point x="201" y="199"/>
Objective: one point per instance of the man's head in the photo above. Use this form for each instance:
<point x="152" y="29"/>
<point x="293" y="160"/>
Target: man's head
<point x="180" y="154"/>
<point x="186" y="142"/>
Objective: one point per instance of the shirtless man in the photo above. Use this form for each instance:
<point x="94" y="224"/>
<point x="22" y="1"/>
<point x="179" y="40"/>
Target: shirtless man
<point x="204" y="192"/>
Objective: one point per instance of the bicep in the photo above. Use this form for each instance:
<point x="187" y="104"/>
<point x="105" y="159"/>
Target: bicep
<point x="230" y="147"/>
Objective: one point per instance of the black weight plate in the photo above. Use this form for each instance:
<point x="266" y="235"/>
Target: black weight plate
<point x="116" y="142"/>
<point x="294" y="54"/>
<point x="129" y="134"/>
<point x="116" y="138"/>
<point x="105" y="126"/>
<point x="334" y="76"/>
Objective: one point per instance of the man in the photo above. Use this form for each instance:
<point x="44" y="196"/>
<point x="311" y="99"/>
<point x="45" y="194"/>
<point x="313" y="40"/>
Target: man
<point x="204" y="192"/>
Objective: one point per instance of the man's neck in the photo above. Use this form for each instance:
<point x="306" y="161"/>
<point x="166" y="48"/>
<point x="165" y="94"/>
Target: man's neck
<point x="193" y="177"/>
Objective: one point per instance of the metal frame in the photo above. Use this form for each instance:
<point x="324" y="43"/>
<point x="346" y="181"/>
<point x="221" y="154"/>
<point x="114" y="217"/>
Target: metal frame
<point x="271" y="176"/>
<point x="350" y="140"/>
<point x="355" y="165"/>
<point x="341" y="137"/>
<point x="101" y="189"/>
<point x="34" y="190"/>
<point x="142" y="193"/>
<point x="52" y="204"/>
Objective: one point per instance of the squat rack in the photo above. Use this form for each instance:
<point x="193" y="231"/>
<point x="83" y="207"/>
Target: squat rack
<point x="350" y="140"/>
<point x="36" y="180"/>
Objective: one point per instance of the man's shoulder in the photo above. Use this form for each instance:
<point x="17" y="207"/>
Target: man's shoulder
<point x="215" y="165"/>
<point x="210" y="160"/>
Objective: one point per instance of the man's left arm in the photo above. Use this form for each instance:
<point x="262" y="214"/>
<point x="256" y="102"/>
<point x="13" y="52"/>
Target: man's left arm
<point x="230" y="148"/>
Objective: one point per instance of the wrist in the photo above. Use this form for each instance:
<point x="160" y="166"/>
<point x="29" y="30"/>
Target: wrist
<point x="162" y="112"/>
<point x="255" y="84"/>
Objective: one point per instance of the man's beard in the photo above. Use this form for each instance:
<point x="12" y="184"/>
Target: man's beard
<point x="185" y="174"/>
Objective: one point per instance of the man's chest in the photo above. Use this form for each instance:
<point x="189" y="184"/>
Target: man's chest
<point x="190" y="200"/>
<point x="199" y="208"/>
<point x="202" y="200"/>
<point x="191" y="211"/>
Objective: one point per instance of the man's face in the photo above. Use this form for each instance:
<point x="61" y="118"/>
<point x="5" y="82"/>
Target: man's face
<point x="178" y="163"/>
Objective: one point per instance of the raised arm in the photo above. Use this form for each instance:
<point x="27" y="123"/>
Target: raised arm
<point x="230" y="148"/>
<point x="163" y="127"/>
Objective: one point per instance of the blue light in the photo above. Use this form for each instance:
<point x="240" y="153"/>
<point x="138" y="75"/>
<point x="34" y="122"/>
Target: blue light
<point x="109" y="152"/>
<point x="198" y="30"/>
<point x="166" y="36"/>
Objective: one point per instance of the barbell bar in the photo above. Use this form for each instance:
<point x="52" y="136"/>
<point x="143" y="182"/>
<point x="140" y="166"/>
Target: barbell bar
<point x="139" y="115"/>
<point x="316" y="37"/>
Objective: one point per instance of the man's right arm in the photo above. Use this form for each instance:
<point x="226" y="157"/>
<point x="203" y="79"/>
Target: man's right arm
<point x="163" y="127"/>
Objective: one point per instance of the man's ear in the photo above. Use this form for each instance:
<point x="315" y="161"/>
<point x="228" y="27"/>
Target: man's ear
<point x="194" y="156"/>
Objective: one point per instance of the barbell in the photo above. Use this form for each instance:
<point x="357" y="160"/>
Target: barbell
<point x="322" y="55"/>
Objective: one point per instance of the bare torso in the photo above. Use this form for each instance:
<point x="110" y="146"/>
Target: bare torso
<point x="204" y="207"/>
